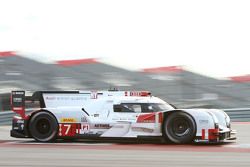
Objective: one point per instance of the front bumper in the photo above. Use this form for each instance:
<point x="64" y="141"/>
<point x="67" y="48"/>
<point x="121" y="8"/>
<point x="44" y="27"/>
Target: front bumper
<point x="228" y="135"/>
<point x="216" y="136"/>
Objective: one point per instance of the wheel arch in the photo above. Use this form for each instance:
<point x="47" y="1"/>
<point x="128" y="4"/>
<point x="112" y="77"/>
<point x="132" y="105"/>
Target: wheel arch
<point x="203" y="119"/>
<point x="37" y="111"/>
<point x="168" y="113"/>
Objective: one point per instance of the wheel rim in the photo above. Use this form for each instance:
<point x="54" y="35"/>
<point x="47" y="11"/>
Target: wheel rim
<point x="180" y="127"/>
<point x="43" y="126"/>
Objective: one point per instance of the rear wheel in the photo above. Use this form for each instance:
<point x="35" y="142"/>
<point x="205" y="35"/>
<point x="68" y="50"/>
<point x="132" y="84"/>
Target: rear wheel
<point x="43" y="127"/>
<point x="179" y="128"/>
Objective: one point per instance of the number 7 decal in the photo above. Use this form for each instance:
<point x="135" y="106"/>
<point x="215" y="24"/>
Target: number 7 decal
<point x="68" y="126"/>
<point x="68" y="129"/>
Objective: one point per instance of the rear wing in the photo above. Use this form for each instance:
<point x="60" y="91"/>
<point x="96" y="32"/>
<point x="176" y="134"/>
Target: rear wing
<point x="17" y="101"/>
<point x="20" y="102"/>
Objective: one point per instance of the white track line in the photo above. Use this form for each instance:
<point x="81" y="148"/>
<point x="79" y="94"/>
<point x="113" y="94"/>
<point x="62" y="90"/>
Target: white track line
<point x="245" y="145"/>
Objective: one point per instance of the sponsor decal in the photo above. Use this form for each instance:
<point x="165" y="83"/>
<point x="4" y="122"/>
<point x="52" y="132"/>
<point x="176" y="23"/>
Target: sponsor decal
<point x="138" y="93"/>
<point x="50" y="98"/>
<point x="17" y="99"/>
<point x="84" y="119"/>
<point x="142" y="129"/>
<point x="72" y="98"/>
<point x="135" y="93"/>
<point x="18" y="125"/>
<point x="96" y="115"/>
<point x="102" y="126"/>
<point x="18" y="92"/>
<point x="20" y="121"/>
<point x="68" y="129"/>
<point x="148" y="121"/>
<point x="73" y="129"/>
<point x="68" y="120"/>
<point x="84" y="129"/>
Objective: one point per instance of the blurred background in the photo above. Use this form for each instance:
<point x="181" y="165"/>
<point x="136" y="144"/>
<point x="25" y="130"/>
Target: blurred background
<point x="189" y="53"/>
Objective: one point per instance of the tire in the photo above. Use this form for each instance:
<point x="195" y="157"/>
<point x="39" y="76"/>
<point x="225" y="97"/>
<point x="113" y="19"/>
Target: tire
<point x="43" y="127"/>
<point x="179" y="128"/>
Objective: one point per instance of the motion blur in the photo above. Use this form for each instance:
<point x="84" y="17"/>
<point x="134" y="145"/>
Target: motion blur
<point x="174" y="84"/>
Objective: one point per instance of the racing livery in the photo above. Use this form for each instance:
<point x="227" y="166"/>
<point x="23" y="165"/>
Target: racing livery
<point x="114" y="114"/>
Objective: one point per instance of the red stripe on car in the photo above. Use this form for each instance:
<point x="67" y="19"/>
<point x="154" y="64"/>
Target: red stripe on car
<point x="213" y="134"/>
<point x="160" y="117"/>
<point x="203" y="134"/>
<point x="146" y="118"/>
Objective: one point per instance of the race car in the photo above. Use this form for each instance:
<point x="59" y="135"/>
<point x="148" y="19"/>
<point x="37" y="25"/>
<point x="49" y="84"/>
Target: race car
<point x="114" y="114"/>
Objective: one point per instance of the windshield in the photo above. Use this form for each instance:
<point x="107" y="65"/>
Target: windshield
<point x="155" y="107"/>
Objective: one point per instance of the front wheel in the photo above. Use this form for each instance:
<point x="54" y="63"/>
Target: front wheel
<point x="43" y="127"/>
<point x="179" y="128"/>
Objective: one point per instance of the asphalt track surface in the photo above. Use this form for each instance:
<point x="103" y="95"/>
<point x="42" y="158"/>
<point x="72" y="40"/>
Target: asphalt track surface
<point x="28" y="153"/>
